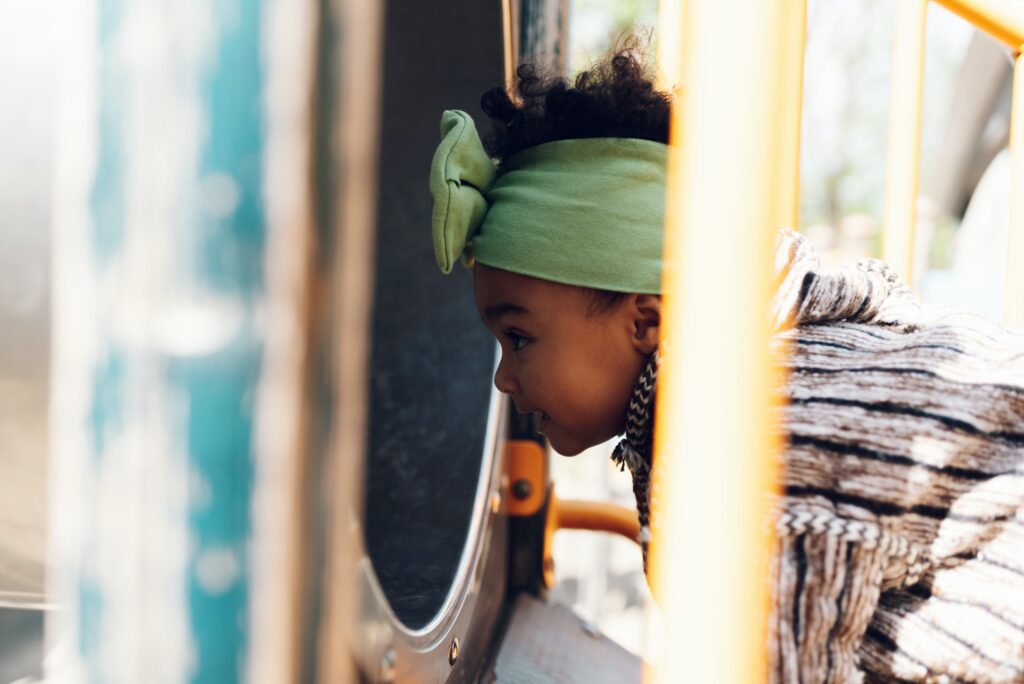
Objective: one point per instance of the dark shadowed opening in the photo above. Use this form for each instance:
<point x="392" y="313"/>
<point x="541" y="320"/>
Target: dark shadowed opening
<point x="430" y="375"/>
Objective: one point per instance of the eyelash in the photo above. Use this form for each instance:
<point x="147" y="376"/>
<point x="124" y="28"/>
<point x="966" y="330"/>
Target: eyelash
<point x="518" y="341"/>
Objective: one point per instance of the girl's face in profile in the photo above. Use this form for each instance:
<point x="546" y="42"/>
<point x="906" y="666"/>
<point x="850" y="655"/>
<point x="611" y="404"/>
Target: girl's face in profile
<point x="574" y="368"/>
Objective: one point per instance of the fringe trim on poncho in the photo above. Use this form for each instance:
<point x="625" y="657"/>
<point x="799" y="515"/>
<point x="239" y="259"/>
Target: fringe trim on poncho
<point x="900" y="551"/>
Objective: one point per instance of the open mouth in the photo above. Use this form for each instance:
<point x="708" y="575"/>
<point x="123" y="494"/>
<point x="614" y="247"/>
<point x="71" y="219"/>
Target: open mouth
<point x="542" y="419"/>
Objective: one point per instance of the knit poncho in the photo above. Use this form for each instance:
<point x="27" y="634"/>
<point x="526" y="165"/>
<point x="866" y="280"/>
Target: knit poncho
<point x="900" y="548"/>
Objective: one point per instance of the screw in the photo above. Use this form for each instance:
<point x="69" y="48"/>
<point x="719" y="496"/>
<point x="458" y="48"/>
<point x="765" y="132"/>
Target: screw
<point x="522" y="489"/>
<point x="387" y="666"/>
<point x="453" y="651"/>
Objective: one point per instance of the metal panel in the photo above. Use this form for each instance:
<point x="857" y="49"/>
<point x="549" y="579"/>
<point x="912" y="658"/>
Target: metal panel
<point x="435" y="546"/>
<point x="26" y="122"/>
<point x="431" y="360"/>
<point x="467" y="620"/>
<point x="549" y="644"/>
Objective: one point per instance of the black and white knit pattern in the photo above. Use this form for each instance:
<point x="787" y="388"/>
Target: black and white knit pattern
<point x="900" y="533"/>
<point x="634" y="451"/>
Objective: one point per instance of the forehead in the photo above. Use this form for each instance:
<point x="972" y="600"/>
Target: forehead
<point x="492" y="286"/>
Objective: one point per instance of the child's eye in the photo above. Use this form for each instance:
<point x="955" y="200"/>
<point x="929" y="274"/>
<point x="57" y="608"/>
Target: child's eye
<point x="518" y="341"/>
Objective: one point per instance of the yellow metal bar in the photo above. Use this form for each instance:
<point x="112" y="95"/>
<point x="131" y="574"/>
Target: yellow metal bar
<point x="715" y="445"/>
<point x="1013" y="296"/>
<point x="670" y="26"/>
<point x="792" y="102"/>
<point x="904" y="148"/>
<point x="1002" y="19"/>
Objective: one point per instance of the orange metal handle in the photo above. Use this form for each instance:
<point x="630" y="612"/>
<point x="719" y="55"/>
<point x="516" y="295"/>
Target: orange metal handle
<point x="585" y="515"/>
<point x="596" y="515"/>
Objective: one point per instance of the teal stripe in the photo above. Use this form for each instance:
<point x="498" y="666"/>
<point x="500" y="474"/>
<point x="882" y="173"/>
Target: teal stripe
<point x="219" y="243"/>
<point x="106" y="407"/>
<point x="107" y="414"/>
<point x="107" y="198"/>
<point x="228" y="259"/>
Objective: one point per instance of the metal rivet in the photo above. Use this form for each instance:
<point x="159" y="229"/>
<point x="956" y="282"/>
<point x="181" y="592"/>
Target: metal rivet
<point x="495" y="502"/>
<point x="453" y="651"/>
<point x="387" y="666"/>
<point x="522" y="489"/>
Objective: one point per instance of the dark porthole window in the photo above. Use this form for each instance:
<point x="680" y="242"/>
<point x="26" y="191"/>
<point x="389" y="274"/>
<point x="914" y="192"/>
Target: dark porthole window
<point x="432" y="359"/>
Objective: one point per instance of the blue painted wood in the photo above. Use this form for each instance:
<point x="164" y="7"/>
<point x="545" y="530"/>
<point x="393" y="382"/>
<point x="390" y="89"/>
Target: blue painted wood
<point x="158" y="457"/>
<point x="227" y="253"/>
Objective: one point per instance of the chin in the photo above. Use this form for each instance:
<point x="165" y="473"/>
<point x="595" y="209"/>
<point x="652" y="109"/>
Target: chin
<point x="575" y="445"/>
<point x="569" y="448"/>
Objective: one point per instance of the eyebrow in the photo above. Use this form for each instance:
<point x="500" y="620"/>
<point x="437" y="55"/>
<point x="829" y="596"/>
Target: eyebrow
<point x="498" y="310"/>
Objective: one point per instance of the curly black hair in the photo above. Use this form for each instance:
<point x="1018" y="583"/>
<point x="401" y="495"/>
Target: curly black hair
<point x="615" y="98"/>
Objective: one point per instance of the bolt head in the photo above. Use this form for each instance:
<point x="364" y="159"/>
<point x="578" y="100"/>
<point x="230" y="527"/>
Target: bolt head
<point x="388" y="666"/>
<point x="522" y="489"/>
<point x="453" y="651"/>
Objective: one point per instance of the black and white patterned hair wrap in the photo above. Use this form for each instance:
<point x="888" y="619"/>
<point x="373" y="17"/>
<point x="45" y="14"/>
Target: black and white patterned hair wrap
<point x="634" y="451"/>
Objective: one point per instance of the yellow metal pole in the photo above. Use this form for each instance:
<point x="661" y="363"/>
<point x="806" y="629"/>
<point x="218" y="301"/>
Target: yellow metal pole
<point x="1002" y="19"/>
<point x="904" y="148"/>
<point x="1013" y="297"/>
<point x="715" y="449"/>
<point x="670" y="28"/>
<point x="792" y="100"/>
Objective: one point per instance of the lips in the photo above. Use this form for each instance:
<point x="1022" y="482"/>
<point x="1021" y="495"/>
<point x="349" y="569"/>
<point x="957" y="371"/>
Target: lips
<point x="542" y="419"/>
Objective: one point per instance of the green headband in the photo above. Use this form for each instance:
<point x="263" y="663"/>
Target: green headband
<point x="586" y="212"/>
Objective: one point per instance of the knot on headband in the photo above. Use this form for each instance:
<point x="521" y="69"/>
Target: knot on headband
<point x="460" y="174"/>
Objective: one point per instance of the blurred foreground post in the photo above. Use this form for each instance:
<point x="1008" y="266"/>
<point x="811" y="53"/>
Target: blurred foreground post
<point x="791" y="99"/>
<point x="1013" y="294"/>
<point x="160" y="297"/>
<point x="715" y="448"/>
<point x="347" y="162"/>
<point x="903" y="159"/>
<point x="196" y="183"/>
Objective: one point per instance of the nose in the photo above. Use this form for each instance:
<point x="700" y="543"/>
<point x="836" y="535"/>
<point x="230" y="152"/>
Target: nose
<point x="504" y="378"/>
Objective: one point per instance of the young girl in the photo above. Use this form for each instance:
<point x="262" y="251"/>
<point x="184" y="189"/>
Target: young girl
<point x="900" y="550"/>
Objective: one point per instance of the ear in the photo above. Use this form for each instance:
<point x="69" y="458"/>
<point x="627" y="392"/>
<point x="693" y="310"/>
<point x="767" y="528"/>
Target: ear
<point x="645" y="312"/>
